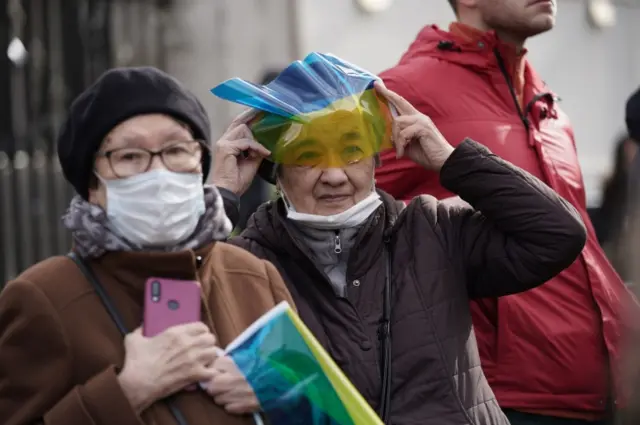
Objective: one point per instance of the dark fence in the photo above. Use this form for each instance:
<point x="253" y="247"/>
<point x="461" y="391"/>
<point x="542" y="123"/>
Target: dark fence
<point x="33" y="196"/>
<point x="56" y="48"/>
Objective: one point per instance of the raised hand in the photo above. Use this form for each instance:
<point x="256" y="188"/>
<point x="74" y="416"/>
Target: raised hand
<point x="414" y="134"/>
<point x="237" y="156"/>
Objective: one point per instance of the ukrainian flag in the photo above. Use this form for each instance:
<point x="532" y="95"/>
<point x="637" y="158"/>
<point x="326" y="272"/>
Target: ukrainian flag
<point x="313" y="109"/>
<point x="294" y="378"/>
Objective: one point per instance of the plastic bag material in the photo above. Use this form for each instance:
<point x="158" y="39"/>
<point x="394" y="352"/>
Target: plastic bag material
<point x="293" y="377"/>
<point x="319" y="112"/>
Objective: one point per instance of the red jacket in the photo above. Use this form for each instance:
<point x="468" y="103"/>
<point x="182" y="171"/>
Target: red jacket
<point x="547" y="350"/>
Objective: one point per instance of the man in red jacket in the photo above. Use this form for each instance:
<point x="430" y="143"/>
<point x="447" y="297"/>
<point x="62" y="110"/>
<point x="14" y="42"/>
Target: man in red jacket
<point x="549" y="353"/>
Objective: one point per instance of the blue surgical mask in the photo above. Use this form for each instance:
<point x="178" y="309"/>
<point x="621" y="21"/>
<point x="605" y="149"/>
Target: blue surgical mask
<point x="158" y="208"/>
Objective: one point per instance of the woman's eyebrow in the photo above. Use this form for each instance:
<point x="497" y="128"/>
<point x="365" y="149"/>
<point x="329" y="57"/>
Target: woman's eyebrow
<point x="176" y="134"/>
<point x="111" y="143"/>
<point x="305" y="143"/>
<point x="350" y="136"/>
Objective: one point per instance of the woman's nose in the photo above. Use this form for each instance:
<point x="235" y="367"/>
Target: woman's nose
<point x="334" y="176"/>
<point x="156" y="163"/>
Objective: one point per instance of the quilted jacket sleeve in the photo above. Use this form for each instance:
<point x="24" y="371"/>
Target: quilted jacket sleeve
<point x="516" y="234"/>
<point x="231" y="203"/>
<point x="278" y="287"/>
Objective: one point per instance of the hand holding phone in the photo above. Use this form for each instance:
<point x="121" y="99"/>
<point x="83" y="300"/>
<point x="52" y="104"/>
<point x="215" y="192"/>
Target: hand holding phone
<point x="168" y="303"/>
<point x="157" y="367"/>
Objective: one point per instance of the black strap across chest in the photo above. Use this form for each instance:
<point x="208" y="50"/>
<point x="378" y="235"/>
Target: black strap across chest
<point x="117" y="319"/>
<point x="384" y="331"/>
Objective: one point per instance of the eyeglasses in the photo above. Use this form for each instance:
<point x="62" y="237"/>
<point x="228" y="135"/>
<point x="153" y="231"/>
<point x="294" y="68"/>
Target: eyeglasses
<point x="180" y="157"/>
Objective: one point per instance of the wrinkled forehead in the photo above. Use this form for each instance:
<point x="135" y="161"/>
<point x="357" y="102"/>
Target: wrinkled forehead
<point x="148" y="131"/>
<point x="338" y="134"/>
<point x="329" y="128"/>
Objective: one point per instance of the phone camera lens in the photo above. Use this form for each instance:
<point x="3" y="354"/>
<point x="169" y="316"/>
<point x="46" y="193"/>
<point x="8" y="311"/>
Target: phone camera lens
<point x="155" y="291"/>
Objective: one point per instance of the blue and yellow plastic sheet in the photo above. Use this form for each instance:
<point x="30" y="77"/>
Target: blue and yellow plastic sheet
<point x="319" y="112"/>
<point x="293" y="377"/>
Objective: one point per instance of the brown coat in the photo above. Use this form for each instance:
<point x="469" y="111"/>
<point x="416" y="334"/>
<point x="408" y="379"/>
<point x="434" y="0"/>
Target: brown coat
<point x="60" y="351"/>
<point x="520" y="234"/>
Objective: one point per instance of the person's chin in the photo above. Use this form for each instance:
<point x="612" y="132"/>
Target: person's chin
<point x="331" y="206"/>
<point x="545" y="23"/>
<point x="545" y="19"/>
<point x="540" y="24"/>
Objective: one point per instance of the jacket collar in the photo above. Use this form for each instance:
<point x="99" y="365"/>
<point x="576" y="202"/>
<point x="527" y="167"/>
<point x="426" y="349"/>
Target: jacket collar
<point x="473" y="49"/>
<point x="513" y="58"/>
<point x="270" y="228"/>
<point x="132" y="269"/>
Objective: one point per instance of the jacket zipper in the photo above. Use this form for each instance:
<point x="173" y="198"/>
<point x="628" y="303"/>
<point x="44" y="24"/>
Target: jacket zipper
<point x="338" y="249"/>
<point x="337" y="244"/>
<point x="507" y="77"/>
<point x="314" y="266"/>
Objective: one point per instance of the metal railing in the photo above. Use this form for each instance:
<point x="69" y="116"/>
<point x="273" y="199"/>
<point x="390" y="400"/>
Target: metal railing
<point x="64" y="46"/>
<point x="33" y="197"/>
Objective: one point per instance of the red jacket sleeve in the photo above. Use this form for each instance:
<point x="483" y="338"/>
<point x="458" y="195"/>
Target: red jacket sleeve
<point x="403" y="178"/>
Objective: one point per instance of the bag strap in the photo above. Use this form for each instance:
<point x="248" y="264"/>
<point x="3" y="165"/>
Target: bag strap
<point x="385" y="337"/>
<point x="117" y="319"/>
<point x="102" y="294"/>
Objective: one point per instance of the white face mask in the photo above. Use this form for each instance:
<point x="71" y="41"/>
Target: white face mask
<point x="157" y="208"/>
<point x="354" y="216"/>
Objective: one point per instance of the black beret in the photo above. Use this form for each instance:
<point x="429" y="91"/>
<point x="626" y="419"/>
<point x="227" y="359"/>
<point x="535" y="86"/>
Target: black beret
<point x="116" y="96"/>
<point x="632" y="116"/>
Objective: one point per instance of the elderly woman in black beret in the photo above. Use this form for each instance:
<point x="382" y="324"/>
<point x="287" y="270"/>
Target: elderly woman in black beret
<point x="135" y="148"/>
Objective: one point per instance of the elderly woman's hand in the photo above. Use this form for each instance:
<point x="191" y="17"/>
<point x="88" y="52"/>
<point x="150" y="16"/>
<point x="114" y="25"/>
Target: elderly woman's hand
<point x="159" y="366"/>
<point x="237" y="156"/>
<point x="414" y="134"/>
<point x="230" y="389"/>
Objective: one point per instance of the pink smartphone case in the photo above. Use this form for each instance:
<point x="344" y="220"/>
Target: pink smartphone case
<point x="178" y="303"/>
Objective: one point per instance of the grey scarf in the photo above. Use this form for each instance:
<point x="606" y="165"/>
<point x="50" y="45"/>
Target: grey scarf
<point x="92" y="235"/>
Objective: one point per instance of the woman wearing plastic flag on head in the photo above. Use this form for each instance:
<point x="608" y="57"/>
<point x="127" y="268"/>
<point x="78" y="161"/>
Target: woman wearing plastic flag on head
<point x="383" y="286"/>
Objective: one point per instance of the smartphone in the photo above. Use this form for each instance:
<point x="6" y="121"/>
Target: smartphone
<point x="169" y="302"/>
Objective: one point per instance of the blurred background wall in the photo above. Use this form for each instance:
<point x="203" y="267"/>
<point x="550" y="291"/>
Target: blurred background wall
<point x="52" y="49"/>
<point x="592" y="70"/>
<point x="218" y="39"/>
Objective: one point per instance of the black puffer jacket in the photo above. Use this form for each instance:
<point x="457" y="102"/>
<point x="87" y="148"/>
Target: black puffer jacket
<point x="517" y="235"/>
